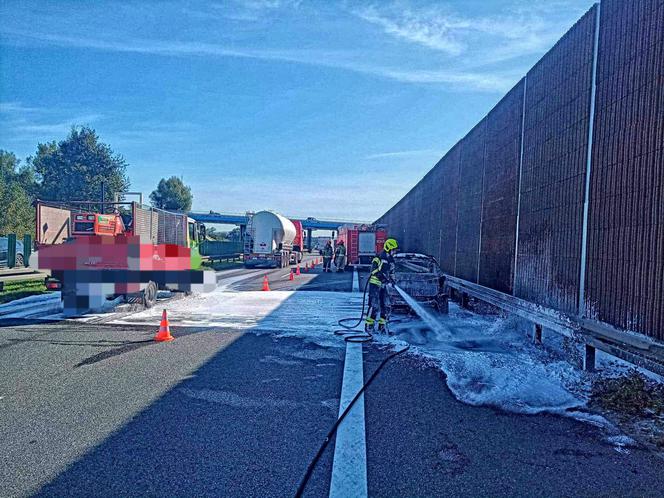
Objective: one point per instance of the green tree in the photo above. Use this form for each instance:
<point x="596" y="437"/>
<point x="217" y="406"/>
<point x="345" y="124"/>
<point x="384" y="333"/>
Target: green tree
<point x="75" y="168"/>
<point x="172" y="194"/>
<point x="17" y="190"/>
<point x="234" y="234"/>
<point x="213" y="234"/>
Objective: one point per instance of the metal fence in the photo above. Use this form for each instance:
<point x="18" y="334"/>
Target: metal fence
<point x="557" y="195"/>
<point x="220" y="248"/>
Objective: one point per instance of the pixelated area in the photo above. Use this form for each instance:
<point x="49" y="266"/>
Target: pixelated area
<point x="96" y="268"/>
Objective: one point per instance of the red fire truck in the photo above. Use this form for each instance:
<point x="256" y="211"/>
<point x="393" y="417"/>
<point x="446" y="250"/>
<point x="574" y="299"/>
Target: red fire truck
<point x="362" y="243"/>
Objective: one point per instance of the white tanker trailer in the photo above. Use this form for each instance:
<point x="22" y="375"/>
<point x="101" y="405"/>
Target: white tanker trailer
<point x="272" y="241"/>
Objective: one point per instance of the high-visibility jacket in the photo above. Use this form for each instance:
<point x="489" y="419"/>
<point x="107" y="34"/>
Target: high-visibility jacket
<point x="340" y="250"/>
<point x="382" y="269"/>
<point x="327" y="251"/>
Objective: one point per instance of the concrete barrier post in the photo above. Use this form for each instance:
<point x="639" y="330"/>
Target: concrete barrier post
<point x="11" y="250"/>
<point x="589" y="358"/>
<point x="27" y="249"/>
<point x="537" y="335"/>
<point x="465" y="298"/>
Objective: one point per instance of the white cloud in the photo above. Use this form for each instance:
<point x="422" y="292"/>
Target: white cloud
<point x="22" y="123"/>
<point x="247" y="10"/>
<point x="17" y="107"/>
<point x="428" y="28"/>
<point x="55" y="128"/>
<point x="155" y="132"/>
<point x="479" y="39"/>
<point x="403" y="153"/>
<point x="267" y="4"/>
<point x="347" y="60"/>
<point x="458" y="51"/>
<point x="493" y="81"/>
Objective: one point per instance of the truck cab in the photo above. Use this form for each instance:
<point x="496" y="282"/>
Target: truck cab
<point x="195" y="237"/>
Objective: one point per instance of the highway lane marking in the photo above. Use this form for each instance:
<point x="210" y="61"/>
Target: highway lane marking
<point x="356" y="281"/>
<point x="349" y="467"/>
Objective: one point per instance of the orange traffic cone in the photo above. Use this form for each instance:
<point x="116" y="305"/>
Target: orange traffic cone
<point x="164" y="333"/>
<point x="290" y="275"/>
<point x="266" y="284"/>
<point x="298" y="270"/>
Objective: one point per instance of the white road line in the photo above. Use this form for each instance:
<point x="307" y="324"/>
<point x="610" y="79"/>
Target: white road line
<point x="356" y="281"/>
<point x="349" y="468"/>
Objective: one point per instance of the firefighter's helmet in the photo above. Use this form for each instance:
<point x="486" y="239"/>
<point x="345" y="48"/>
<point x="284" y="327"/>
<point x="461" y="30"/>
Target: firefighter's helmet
<point x="390" y="245"/>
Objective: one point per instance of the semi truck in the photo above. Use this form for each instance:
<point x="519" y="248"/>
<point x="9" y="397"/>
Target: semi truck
<point x="362" y="243"/>
<point x="272" y="241"/>
<point x="95" y="251"/>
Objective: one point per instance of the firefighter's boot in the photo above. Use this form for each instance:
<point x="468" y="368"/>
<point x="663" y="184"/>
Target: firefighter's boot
<point x="382" y="326"/>
<point x="369" y="325"/>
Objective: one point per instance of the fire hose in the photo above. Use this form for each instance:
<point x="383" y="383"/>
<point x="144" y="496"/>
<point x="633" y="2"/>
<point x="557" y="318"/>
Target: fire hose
<point x="349" y="334"/>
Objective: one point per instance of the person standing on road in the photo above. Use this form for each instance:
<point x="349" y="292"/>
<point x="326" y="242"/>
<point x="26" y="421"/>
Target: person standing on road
<point x="340" y="256"/>
<point x="328" y="252"/>
<point x="382" y="274"/>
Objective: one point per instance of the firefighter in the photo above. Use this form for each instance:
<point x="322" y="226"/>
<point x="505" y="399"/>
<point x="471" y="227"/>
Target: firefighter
<point x="382" y="274"/>
<point x="340" y="256"/>
<point x="328" y="252"/>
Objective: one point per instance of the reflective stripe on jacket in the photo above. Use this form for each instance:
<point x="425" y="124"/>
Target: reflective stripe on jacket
<point x="382" y="267"/>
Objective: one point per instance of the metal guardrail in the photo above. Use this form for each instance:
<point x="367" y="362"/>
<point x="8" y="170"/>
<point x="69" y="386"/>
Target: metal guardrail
<point x="634" y="348"/>
<point x="220" y="248"/>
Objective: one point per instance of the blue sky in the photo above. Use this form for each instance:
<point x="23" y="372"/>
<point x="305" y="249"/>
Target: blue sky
<point x="312" y="108"/>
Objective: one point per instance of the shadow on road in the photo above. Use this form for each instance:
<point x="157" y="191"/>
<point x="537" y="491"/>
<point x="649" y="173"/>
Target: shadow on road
<point x="332" y="281"/>
<point x="246" y="423"/>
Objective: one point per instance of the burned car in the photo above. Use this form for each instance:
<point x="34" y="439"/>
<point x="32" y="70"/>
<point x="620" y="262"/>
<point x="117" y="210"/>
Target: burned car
<point x="421" y="277"/>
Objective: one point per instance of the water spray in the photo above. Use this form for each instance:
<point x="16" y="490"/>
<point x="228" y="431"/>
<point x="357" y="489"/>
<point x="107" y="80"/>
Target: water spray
<point x="424" y="315"/>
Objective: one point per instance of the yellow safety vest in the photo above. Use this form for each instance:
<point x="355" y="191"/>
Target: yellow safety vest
<point x="374" y="279"/>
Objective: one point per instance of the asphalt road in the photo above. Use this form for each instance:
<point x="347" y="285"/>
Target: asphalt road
<point x="312" y="279"/>
<point x="92" y="410"/>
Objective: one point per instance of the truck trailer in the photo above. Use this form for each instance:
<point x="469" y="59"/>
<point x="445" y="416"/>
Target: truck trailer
<point x="99" y="250"/>
<point x="272" y="241"/>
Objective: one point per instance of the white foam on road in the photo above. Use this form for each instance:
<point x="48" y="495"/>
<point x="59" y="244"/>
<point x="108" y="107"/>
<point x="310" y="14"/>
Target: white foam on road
<point x="32" y="306"/>
<point x="349" y="467"/>
<point x="310" y="315"/>
<point x="30" y="300"/>
<point x="487" y="360"/>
